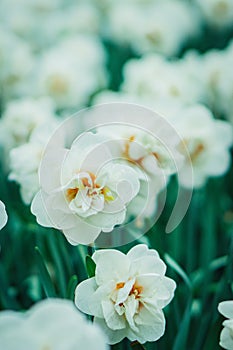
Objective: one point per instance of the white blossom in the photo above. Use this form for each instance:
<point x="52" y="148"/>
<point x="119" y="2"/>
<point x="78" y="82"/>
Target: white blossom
<point x="208" y="142"/>
<point x="3" y="215"/>
<point x="226" y="336"/>
<point x="218" y="13"/>
<point x="127" y="294"/>
<point x="151" y="25"/>
<point x="21" y="117"/>
<point x="83" y="191"/>
<point x="16" y="68"/>
<point x="53" y="324"/>
<point x="71" y="71"/>
<point x="25" y="161"/>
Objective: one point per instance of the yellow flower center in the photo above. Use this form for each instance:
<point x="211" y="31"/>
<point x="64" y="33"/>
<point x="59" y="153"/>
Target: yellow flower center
<point x="93" y="189"/>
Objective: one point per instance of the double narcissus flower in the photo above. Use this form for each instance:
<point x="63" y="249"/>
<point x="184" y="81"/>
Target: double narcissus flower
<point x="127" y="294"/>
<point x="208" y="142"/>
<point x="83" y="190"/>
<point x="53" y="324"/>
<point x="226" y="336"/>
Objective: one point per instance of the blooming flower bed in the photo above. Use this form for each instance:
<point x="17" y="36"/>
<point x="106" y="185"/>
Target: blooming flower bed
<point x="116" y="197"/>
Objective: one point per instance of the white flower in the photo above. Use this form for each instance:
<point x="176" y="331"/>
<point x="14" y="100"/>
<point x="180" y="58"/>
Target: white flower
<point x="151" y="25"/>
<point x="21" y="117"/>
<point x="162" y="82"/>
<point x="71" y="71"/>
<point x="226" y="336"/>
<point x="52" y="324"/>
<point x="217" y="12"/>
<point x="25" y="161"/>
<point x="3" y="215"/>
<point x="14" y="68"/>
<point x="127" y="294"/>
<point x="83" y="191"/>
<point x="208" y="142"/>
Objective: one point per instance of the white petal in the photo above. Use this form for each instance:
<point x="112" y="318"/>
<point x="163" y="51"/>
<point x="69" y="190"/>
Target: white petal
<point x="83" y="292"/>
<point x="39" y="210"/>
<point x="111" y="265"/>
<point x="123" y="293"/>
<point x="3" y="215"/>
<point x="148" y="264"/>
<point x="141" y="250"/>
<point x="50" y="169"/>
<point x="226" y="308"/>
<point x="136" y="150"/>
<point x="124" y="181"/>
<point x="150" y="323"/>
<point x="131" y="306"/>
<point x="113" y="320"/>
<point x="82" y="233"/>
<point x="114" y="336"/>
<point x="226" y="340"/>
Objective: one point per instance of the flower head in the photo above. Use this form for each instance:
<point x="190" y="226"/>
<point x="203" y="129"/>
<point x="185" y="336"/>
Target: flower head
<point x="226" y="337"/>
<point x="127" y="294"/>
<point x="86" y="192"/>
<point x="49" y="325"/>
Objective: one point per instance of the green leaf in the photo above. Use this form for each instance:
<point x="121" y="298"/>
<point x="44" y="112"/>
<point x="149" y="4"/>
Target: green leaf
<point x="45" y="277"/>
<point x="71" y="287"/>
<point x="178" y="269"/>
<point x="91" y="266"/>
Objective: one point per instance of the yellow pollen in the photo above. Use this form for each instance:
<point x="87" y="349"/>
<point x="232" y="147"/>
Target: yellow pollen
<point x="199" y="149"/>
<point x="136" y="291"/>
<point x="107" y="194"/>
<point x="120" y="285"/>
<point x="71" y="193"/>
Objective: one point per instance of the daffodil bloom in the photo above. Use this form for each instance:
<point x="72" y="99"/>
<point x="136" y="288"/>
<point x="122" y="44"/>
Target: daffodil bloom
<point x="3" y="215"/>
<point x="53" y="324"/>
<point x="127" y="294"/>
<point x="226" y="337"/>
<point x="83" y="190"/>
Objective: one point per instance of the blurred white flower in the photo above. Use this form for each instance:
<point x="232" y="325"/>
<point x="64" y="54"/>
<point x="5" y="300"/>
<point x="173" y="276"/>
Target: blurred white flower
<point x="3" y="215"/>
<point x="226" y="336"/>
<point x="25" y="161"/>
<point x="14" y="68"/>
<point x="70" y="72"/>
<point x="161" y="26"/>
<point x="153" y="78"/>
<point x="83" y="192"/>
<point x="21" y="117"/>
<point x="127" y="294"/>
<point x="217" y="12"/>
<point x="145" y="148"/>
<point x="208" y="142"/>
<point x="53" y="324"/>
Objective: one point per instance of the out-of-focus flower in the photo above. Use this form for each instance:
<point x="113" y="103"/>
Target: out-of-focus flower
<point x="14" y="68"/>
<point x="146" y="148"/>
<point x="21" y="117"/>
<point x="152" y="78"/>
<point x="83" y="191"/>
<point x="70" y="72"/>
<point x="127" y="294"/>
<point x="208" y="142"/>
<point x="226" y="336"/>
<point x="3" y="215"/>
<point x="52" y="324"/>
<point x="218" y="13"/>
<point x="25" y="161"/>
<point x="161" y="26"/>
